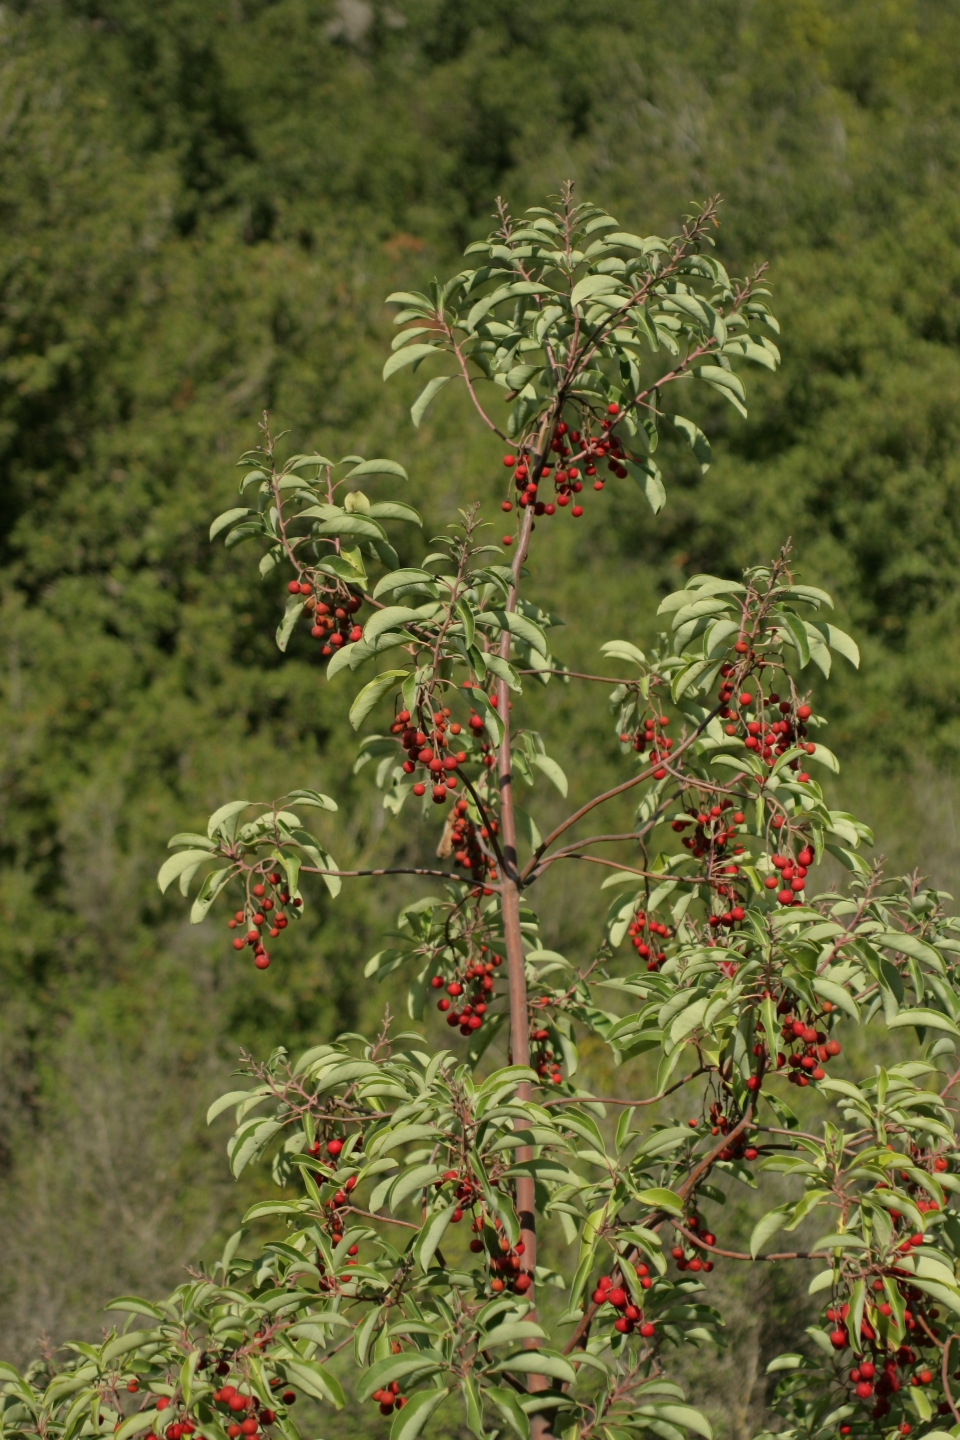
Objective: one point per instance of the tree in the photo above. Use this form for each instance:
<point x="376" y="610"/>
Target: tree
<point x="740" y="983"/>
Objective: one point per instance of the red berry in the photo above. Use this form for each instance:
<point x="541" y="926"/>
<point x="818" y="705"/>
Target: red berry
<point x="577" y="511"/>
<point x="509" y="460"/>
<point x="508" y="539"/>
<point x="294" y="587"/>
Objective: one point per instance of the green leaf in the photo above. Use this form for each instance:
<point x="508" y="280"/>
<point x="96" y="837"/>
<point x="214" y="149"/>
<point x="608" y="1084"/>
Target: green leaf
<point x="361" y="526"/>
<point x="510" y="1333"/>
<point x="397" y="1367"/>
<point x="391" y="617"/>
<point x="208" y="892"/>
<point x="371" y="694"/>
<point x="661" y="1199"/>
<point x="773" y="1221"/>
<point x="408" y="1422"/>
<point x="839" y="640"/>
<point x="684" y="1415"/>
<point x="228" y="518"/>
<point x="427" y="1242"/>
<point x="226" y="812"/>
<point x="647" y="475"/>
<point x="592" y="285"/>
<point x="933" y="1019"/>
<point x="177" y="864"/>
<point x="725" y="379"/>
<point x="504" y="671"/>
<point x="427" y="395"/>
<point x="539" y="1362"/>
<point x="143" y="1420"/>
<point x="316" y="1380"/>
<point x="412" y="1180"/>
<point x="396" y="578"/>
<point x="234" y="1097"/>
<point x="288" y="624"/>
<point x="395" y="510"/>
<point x="509" y="1407"/>
<point x="696" y="439"/>
<point x="837" y="995"/>
<point x="523" y="628"/>
<point x="552" y="771"/>
<point x="623" y="650"/>
<point x="410" y="355"/>
<point x="909" y="945"/>
<point x="313" y="798"/>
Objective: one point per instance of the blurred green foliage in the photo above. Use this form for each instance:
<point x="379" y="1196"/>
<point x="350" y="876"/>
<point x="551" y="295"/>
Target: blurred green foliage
<point x="202" y="206"/>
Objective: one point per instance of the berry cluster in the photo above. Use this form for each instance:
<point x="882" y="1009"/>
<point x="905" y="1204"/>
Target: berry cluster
<point x="425" y="747"/>
<point x="465" y="838"/>
<point x="629" y="1315"/>
<point x="814" y="1048"/>
<point x="332" y="616"/>
<point x="652" y="735"/>
<point x="646" y="934"/>
<point x="713" y="830"/>
<point x="469" y="1012"/>
<point x="571" y="449"/>
<point x="263" y="910"/>
<point x="689" y="1257"/>
<point x="741" y="1148"/>
<point x="768" y="737"/>
<point x="878" y="1372"/>
<point x="389" y="1398"/>
<point x="541" y="1056"/>
<point x="506" y="1268"/>
<point x="231" y="1400"/>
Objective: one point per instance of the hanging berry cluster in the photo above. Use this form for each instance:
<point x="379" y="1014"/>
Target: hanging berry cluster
<point x="813" y="1048"/>
<point x="263" y="911"/>
<point x="646" y="935"/>
<point x="652" y="735"/>
<point x="331" y="612"/>
<point x="572" y="450"/>
<point x="468" y="1011"/>
<point x="428" y="749"/>
<point x="609" y="1292"/>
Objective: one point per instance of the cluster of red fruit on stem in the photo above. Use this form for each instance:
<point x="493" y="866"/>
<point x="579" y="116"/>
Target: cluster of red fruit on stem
<point x="506" y="1268"/>
<point x="236" y="1404"/>
<point x="629" y="1316"/>
<point x="689" y="1257"/>
<point x="652" y="734"/>
<point x="466" y="1195"/>
<point x="541" y="1055"/>
<point x="742" y="1148"/>
<point x="767" y="736"/>
<point x="468" y="1012"/>
<point x="572" y="449"/>
<point x="645" y="935"/>
<point x="465" y="837"/>
<point x="389" y="1398"/>
<point x="790" y="880"/>
<point x="428" y="747"/>
<point x="331" y="612"/>
<point x="262" y="911"/>
<point x="813" y="1047"/>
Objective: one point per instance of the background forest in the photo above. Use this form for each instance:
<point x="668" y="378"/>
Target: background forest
<point x="202" y="206"/>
